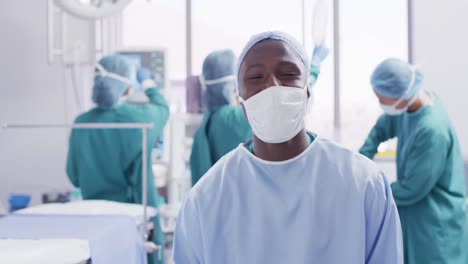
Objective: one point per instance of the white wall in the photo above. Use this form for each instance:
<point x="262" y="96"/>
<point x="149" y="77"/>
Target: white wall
<point x="31" y="91"/>
<point x="441" y="49"/>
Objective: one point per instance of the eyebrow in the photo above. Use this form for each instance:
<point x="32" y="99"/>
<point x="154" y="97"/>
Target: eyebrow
<point x="292" y="64"/>
<point x="289" y="63"/>
<point x="257" y="65"/>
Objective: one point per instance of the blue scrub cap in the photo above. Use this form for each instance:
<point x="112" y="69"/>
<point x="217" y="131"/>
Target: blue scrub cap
<point x="396" y="79"/>
<point x="277" y="35"/>
<point x="111" y="81"/>
<point x="218" y="81"/>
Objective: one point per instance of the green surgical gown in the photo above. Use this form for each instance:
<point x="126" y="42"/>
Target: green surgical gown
<point x="221" y="131"/>
<point x="429" y="191"/>
<point x="106" y="164"/>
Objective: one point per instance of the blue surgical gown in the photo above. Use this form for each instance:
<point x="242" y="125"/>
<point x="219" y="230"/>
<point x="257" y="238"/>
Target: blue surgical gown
<point x="327" y="205"/>
<point x="107" y="163"/>
<point x="221" y="131"/>
<point x="429" y="191"/>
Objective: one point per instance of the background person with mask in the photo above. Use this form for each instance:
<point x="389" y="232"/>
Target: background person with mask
<point x="224" y="126"/>
<point x="106" y="164"/>
<point x="429" y="191"/>
<point x="286" y="196"/>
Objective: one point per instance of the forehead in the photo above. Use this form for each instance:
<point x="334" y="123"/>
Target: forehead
<point x="270" y="51"/>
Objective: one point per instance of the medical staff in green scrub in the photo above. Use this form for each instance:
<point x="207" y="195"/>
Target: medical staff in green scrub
<point x="429" y="191"/>
<point x="224" y="126"/>
<point x="106" y="164"/>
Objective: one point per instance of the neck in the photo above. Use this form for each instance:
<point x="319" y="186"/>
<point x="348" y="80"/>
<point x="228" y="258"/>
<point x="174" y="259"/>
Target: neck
<point x="281" y="151"/>
<point x="416" y="105"/>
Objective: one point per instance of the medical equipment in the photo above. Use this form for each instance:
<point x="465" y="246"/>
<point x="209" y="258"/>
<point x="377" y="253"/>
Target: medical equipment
<point x="152" y="58"/>
<point x="92" y="9"/>
<point x="51" y="251"/>
<point x="56" y="198"/>
<point x="112" y="239"/>
<point x="182" y="128"/>
<point x="168" y="219"/>
<point x="143" y="229"/>
<point x="93" y="207"/>
<point x="18" y="201"/>
<point x="3" y="210"/>
<point x="144" y="128"/>
<point x="194" y="94"/>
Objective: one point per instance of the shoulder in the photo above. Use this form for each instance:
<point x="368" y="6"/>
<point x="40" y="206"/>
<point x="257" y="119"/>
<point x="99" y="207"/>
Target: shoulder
<point x="230" y="112"/>
<point x="342" y="155"/>
<point x="230" y="119"/>
<point x="435" y="117"/>
<point x="352" y="167"/>
<point x="87" y="116"/>
<point x="134" y="113"/>
<point x="213" y="179"/>
<point x="432" y="131"/>
<point x="360" y="172"/>
<point x="377" y="187"/>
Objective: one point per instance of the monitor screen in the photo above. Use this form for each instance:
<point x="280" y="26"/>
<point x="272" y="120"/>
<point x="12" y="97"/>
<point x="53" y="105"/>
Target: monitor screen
<point x="155" y="60"/>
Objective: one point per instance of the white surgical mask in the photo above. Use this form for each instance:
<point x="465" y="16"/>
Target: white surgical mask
<point x="104" y="73"/>
<point x="392" y="109"/>
<point x="277" y="114"/>
<point x="204" y="83"/>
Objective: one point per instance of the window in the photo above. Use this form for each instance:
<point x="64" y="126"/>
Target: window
<point x="229" y="24"/>
<point x="371" y="31"/>
<point x="157" y="23"/>
<point x="160" y="23"/>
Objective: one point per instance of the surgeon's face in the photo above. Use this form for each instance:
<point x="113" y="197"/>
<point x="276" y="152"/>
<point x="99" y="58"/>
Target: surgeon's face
<point x="270" y="63"/>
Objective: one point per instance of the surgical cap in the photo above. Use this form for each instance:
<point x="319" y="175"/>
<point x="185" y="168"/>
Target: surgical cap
<point x="392" y="77"/>
<point x="276" y="35"/>
<point x="217" y="65"/>
<point x="107" y="91"/>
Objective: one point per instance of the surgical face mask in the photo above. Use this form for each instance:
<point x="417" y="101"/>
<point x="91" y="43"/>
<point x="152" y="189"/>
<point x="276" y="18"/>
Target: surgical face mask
<point x="104" y="73"/>
<point x="204" y="83"/>
<point x="277" y="114"/>
<point x="392" y="109"/>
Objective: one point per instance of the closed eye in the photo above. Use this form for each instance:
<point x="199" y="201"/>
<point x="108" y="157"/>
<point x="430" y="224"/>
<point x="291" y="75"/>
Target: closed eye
<point x="255" y="77"/>
<point x="290" y="74"/>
